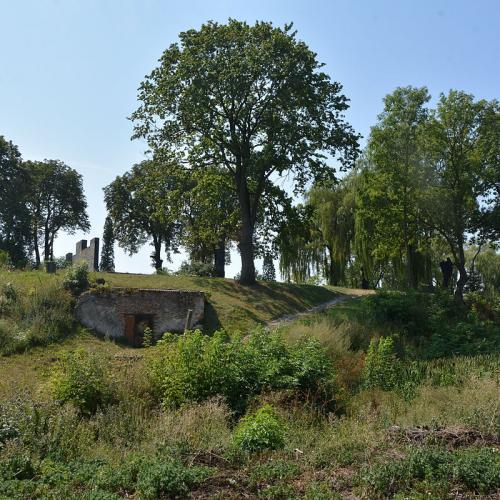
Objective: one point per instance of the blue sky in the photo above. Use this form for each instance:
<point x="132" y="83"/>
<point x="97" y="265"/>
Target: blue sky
<point x="69" y="69"/>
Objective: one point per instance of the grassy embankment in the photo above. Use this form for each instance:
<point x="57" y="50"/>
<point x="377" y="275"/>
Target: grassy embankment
<point x="229" y="306"/>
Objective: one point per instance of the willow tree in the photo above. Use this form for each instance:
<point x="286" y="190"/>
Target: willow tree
<point x="252" y="99"/>
<point x="332" y="219"/>
<point x="318" y="236"/>
<point x="297" y="252"/>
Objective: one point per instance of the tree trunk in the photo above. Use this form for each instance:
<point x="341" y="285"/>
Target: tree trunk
<point x="46" y="247"/>
<point x="157" y="260"/>
<point x="410" y="267"/>
<point x="37" y="250"/>
<point x="463" y="276"/>
<point x="220" y="259"/>
<point x="52" y="247"/>
<point x="332" y="275"/>
<point x="247" y="276"/>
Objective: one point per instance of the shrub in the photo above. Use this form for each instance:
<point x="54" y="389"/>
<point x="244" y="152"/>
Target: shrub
<point x="195" y="367"/>
<point x="47" y="314"/>
<point x="76" y="279"/>
<point x="195" y="268"/>
<point x="168" y="478"/>
<point x="471" y="469"/>
<point x="381" y="366"/>
<point x="262" y="430"/>
<point x="406" y="313"/>
<point x="5" y="262"/>
<point x="82" y="379"/>
<point x="9" y="299"/>
<point x="435" y="325"/>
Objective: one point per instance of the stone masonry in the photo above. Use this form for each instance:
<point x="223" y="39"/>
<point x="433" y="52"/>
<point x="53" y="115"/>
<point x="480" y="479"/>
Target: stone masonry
<point x="125" y="312"/>
<point x="88" y="254"/>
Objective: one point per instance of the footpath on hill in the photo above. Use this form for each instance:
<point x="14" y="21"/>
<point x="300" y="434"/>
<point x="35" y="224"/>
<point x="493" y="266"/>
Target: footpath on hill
<point x="275" y="323"/>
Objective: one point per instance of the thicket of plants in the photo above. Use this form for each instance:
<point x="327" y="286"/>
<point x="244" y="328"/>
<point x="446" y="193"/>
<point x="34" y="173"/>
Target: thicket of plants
<point x="265" y="411"/>
<point x="41" y="316"/>
<point x="436" y="325"/>
<point x="196" y="367"/>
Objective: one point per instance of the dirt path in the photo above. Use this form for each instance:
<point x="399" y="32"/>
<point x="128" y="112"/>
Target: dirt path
<point x="275" y="323"/>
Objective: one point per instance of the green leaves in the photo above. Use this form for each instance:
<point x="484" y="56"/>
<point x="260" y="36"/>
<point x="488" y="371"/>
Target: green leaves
<point x="194" y="367"/>
<point x="250" y="100"/>
<point x="263" y="430"/>
<point x="145" y="205"/>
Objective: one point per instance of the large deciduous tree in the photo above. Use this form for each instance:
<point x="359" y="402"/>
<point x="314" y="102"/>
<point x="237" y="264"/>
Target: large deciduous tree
<point x="14" y="217"/>
<point x="389" y="205"/>
<point x="145" y="205"/>
<point x="56" y="201"/>
<point x="210" y="217"/>
<point x="462" y="148"/>
<point x="253" y="100"/>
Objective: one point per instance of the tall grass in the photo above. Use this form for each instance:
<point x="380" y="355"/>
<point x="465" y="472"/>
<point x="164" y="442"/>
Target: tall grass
<point x="41" y="316"/>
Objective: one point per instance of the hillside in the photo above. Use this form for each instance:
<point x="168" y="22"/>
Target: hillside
<point x="229" y="305"/>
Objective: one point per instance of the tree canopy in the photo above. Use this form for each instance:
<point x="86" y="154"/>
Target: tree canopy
<point x="56" y="201"/>
<point x="252" y="100"/>
<point x="144" y="205"/>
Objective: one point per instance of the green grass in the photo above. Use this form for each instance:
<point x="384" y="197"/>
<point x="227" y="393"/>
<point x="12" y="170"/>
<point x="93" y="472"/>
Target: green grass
<point x="28" y="372"/>
<point x="230" y="305"/>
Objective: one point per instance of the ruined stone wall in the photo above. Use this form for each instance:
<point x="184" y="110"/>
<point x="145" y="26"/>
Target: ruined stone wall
<point x="88" y="254"/>
<point x="106" y="310"/>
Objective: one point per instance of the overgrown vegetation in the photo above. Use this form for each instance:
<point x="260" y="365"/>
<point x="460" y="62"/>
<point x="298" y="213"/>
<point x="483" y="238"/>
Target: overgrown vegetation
<point x="332" y="405"/>
<point x="194" y="367"/>
<point x="41" y="316"/>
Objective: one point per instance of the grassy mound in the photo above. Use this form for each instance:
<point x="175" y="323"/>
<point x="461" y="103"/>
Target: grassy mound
<point x="229" y="305"/>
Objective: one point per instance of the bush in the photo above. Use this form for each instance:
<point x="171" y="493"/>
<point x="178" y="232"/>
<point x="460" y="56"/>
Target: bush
<point x="435" y="325"/>
<point x="47" y="314"/>
<point x="9" y="302"/>
<point x="194" y="268"/>
<point x="5" y="262"/>
<point x="262" y="430"/>
<point x="168" y="478"/>
<point x="381" y="366"/>
<point x="406" y="313"/>
<point x="82" y="379"/>
<point x="195" y="367"/>
<point x="76" y="279"/>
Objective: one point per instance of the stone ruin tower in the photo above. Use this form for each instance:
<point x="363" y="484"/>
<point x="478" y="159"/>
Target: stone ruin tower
<point x="88" y="254"/>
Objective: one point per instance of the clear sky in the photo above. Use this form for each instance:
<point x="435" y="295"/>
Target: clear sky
<point x="69" y="69"/>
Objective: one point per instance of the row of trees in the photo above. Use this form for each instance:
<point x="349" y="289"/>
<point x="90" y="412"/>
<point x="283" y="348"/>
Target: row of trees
<point x="162" y="203"/>
<point x="38" y="199"/>
<point x="427" y="186"/>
